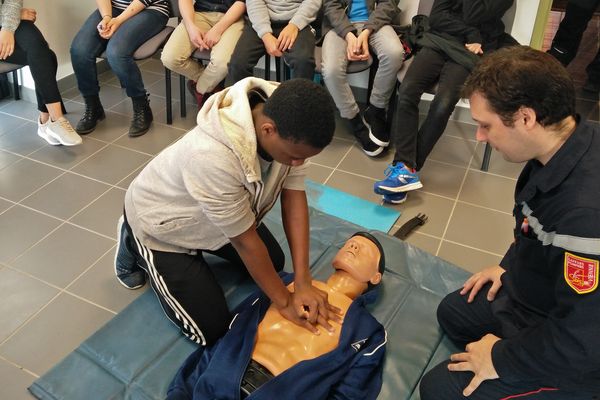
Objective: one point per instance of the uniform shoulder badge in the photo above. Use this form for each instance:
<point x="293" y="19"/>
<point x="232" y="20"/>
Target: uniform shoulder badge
<point x="581" y="273"/>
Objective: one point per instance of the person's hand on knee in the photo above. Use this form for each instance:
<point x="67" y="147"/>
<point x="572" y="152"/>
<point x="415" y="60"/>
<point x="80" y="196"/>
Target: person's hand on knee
<point x="28" y="14"/>
<point x="7" y="43"/>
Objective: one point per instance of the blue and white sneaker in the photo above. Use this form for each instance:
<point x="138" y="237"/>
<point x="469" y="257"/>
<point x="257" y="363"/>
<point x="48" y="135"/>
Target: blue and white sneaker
<point x="395" y="198"/>
<point x="398" y="179"/>
<point x="127" y="270"/>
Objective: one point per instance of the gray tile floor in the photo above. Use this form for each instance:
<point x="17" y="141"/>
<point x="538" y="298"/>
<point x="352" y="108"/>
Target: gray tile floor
<point x="59" y="207"/>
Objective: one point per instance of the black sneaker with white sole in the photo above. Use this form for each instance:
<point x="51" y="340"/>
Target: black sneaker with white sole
<point x="376" y="119"/>
<point x="362" y="133"/>
<point x="127" y="270"/>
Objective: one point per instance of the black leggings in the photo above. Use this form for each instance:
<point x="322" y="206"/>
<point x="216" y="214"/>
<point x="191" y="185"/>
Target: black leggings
<point x="187" y="289"/>
<point x="32" y="49"/>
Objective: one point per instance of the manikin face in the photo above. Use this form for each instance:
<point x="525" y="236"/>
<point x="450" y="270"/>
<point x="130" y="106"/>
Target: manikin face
<point x="513" y="142"/>
<point x="360" y="258"/>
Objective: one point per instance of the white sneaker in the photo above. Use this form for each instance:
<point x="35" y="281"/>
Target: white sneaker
<point x="62" y="131"/>
<point x="43" y="133"/>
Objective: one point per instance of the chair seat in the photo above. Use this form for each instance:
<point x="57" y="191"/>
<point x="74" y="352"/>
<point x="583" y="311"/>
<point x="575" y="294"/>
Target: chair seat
<point x="151" y="46"/>
<point x="352" y="68"/>
<point x="200" y="54"/>
<point x="8" y="67"/>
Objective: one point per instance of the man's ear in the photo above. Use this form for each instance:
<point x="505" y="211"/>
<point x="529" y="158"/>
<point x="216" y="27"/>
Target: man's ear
<point x="268" y="128"/>
<point x="528" y="116"/>
<point x="376" y="278"/>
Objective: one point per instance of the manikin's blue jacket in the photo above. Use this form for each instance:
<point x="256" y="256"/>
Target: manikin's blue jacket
<point x="351" y="371"/>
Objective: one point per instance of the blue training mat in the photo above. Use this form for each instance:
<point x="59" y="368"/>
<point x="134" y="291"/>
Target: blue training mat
<point x="350" y="208"/>
<point x="136" y="354"/>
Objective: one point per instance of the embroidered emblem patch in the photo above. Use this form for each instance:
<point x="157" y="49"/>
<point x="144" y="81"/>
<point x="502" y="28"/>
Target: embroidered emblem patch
<point x="581" y="273"/>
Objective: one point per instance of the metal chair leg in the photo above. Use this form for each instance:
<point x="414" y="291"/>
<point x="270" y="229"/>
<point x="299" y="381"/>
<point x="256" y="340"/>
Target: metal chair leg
<point x="168" y="95"/>
<point x="267" y="67"/>
<point x="278" y="61"/>
<point x="16" y="85"/>
<point x="486" y="157"/>
<point x="183" y="110"/>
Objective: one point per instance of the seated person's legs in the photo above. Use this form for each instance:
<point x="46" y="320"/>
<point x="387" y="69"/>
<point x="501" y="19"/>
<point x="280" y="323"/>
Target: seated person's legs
<point x="127" y="39"/>
<point x="86" y="46"/>
<point x="248" y="50"/>
<point x="390" y="53"/>
<point x="176" y="54"/>
<point x="220" y="55"/>
<point x="335" y="63"/>
<point x="451" y="80"/>
<point x="32" y="49"/>
<point x="442" y="384"/>
<point x="422" y="74"/>
<point x="301" y="56"/>
<point x="465" y="322"/>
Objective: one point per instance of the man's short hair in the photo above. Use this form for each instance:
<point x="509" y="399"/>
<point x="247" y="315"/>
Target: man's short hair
<point x="303" y="112"/>
<point x="519" y="76"/>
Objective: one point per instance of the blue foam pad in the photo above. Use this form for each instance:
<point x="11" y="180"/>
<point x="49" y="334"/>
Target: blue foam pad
<point x="350" y="208"/>
<point x="136" y="354"/>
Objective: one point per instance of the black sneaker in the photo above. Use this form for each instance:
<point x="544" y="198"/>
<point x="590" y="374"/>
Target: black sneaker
<point x="361" y="131"/>
<point x="128" y="272"/>
<point x="376" y="118"/>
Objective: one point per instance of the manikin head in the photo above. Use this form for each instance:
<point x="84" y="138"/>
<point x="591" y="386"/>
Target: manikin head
<point x="359" y="264"/>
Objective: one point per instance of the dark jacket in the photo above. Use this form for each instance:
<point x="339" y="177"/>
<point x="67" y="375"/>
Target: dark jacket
<point x="552" y="270"/>
<point x="352" y="371"/>
<point x="381" y="13"/>
<point x="214" y="5"/>
<point x="470" y="21"/>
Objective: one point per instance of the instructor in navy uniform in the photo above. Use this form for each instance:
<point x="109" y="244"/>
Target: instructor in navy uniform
<point x="529" y="327"/>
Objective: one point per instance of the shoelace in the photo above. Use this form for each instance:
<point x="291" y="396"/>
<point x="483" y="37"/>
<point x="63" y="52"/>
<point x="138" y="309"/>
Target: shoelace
<point x="66" y="125"/>
<point x="88" y="113"/>
<point x="393" y="171"/>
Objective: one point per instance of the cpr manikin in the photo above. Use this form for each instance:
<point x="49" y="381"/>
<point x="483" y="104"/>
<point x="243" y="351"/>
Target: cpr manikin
<point x="264" y="357"/>
<point x="280" y="344"/>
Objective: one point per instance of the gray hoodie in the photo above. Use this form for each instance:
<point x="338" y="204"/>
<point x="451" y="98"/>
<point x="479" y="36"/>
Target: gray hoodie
<point x="207" y="187"/>
<point x="299" y="12"/>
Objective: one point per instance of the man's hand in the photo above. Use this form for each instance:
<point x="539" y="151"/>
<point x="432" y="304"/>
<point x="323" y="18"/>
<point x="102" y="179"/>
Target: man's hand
<point x="196" y="36"/>
<point x="7" y="44"/>
<point x="312" y="304"/>
<point x="476" y="282"/>
<point x="287" y="37"/>
<point x="353" y="48"/>
<point x="28" y="14"/>
<point x="271" y="45"/>
<point x="212" y="37"/>
<point x="477" y="359"/>
<point x="363" y="43"/>
<point x="474" y="48"/>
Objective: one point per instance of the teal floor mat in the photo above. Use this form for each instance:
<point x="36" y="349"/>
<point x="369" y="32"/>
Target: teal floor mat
<point x="136" y="354"/>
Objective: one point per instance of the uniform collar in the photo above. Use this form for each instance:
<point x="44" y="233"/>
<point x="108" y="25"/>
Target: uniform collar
<point x="547" y="177"/>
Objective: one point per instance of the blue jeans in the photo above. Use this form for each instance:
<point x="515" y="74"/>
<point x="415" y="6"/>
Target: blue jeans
<point x="88" y="45"/>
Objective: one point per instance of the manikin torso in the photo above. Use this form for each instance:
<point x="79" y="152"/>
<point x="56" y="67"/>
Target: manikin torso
<point x="281" y="344"/>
